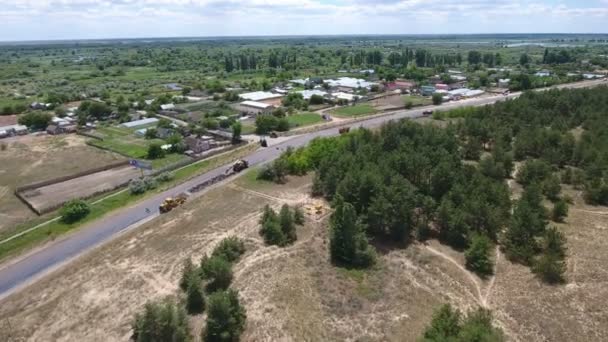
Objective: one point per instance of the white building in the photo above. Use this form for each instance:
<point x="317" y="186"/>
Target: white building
<point x="168" y="106"/>
<point x="260" y="96"/>
<point x="139" y="122"/>
<point x="350" y="84"/>
<point x="254" y="107"/>
<point x="307" y="94"/>
<point x="504" y="82"/>
<point x="344" y="96"/>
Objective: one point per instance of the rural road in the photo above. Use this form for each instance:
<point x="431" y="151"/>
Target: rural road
<point x="20" y="272"/>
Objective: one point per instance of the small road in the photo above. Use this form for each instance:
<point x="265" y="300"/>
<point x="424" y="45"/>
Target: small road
<point x="17" y="273"/>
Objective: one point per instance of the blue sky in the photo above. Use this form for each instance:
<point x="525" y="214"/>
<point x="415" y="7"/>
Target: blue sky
<point x="75" y="19"/>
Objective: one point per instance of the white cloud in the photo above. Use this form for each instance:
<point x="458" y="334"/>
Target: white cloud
<point x="40" y="19"/>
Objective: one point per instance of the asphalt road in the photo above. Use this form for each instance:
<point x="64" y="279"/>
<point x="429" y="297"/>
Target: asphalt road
<point x="17" y="274"/>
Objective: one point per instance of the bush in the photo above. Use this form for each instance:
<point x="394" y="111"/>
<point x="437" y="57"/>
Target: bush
<point x="409" y="104"/>
<point x="165" y="177"/>
<point x="218" y="272"/>
<point x="151" y="133"/>
<point x="225" y="317"/>
<point x="437" y="99"/>
<point x="230" y="248"/>
<point x="560" y="211"/>
<point x="448" y="324"/>
<point x="137" y="186"/>
<point x="74" y="210"/>
<point x="266" y="173"/>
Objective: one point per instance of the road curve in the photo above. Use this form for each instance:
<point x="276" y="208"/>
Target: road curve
<point x="15" y="275"/>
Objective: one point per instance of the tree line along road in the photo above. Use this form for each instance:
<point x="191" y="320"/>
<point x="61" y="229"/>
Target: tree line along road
<point x="18" y="273"/>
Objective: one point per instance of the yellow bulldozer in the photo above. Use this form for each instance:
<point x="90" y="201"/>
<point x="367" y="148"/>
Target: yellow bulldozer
<point x="171" y="203"/>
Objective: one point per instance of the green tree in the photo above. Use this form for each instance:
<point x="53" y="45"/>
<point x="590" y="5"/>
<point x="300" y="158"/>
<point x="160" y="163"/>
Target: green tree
<point x="477" y="256"/>
<point x="348" y="243"/>
<point x="35" y="120"/>
<point x="230" y="248"/>
<point x="287" y="223"/>
<point x="550" y="266"/>
<point x="236" y="132"/>
<point x="218" y="272"/>
<point x="437" y="99"/>
<point x="155" y="151"/>
<point x="161" y="322"/>
<point x="151" y="133"/>
<point x="560" y="211"/>
<point x="478" y="327"/>
<point x="195" y="299"/>
<point x="551" y="188"/>
<point x="188" y="271"/>
<point x="445" y="325"/>
<point x="74" y="210"/>
<point x="225" y="317"/>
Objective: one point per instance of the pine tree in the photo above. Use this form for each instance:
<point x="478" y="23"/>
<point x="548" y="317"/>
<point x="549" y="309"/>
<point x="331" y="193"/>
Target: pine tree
<point x="477" y="255"/>
<point x="225" y="317"/>
<point x="288" y="226"/>
<point x="445" y="324"/>
<point x="188" y="272"/>
<point x="348" y="243"/>
<point x="195" y="300"/>
<point x="550" y="266"/>
<point x="219" y="273"/>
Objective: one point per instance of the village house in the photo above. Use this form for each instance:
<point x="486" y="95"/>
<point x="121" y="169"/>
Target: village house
<point x="263" y="96"/>
<point x="255" y="107"/>
<point x="198" y="144"/>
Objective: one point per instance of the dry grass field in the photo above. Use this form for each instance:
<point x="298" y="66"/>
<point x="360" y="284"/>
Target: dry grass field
<point x="295" y="294"/>
<point x="29" y="159"/>
<point x="50" y="196"/>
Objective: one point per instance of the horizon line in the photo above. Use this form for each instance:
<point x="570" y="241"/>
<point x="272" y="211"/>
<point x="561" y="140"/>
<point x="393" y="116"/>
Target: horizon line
<point x="287" y="36"/>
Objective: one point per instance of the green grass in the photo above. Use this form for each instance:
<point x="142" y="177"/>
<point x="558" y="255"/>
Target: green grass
<point x="304" y="119"/>
<point x="417" y="100"/>
<point x="108" y="205"/>
<point x="123" y="140"/>
<point x="247" y="129"/>
<point x="352" y="111"/>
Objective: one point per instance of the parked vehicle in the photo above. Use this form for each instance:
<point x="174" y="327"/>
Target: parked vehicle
<point x="238" y="166"/>
<point x="263" y="142"/>
<point x="427" y="112"/>
<point x="171" y="203"/>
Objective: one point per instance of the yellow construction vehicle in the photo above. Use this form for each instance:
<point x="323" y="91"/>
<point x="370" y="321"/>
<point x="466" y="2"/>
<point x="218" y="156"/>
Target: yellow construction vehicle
<point x="171" y="203"/>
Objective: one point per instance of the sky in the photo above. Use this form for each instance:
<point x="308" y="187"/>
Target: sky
<point x="90" y="19"/>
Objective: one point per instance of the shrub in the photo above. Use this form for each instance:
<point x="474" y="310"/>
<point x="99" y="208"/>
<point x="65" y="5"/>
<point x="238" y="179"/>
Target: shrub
<point x="137" y="186"/>
<point x="74" y="210"/>
<point x="165" y="177"/>
<point x="560" y="211"/>
<point x="437" y="99"/>
<point x="35" y="120"/>
<point x="409" y="104"/>
<point x="230" y="248"/>
<point x="188" y="271"/>
<point x="3" y="147"/>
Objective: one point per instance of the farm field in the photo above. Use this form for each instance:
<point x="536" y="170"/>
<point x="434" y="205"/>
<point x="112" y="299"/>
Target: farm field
<point x="30" y="159"/>
<point x="123" y="141"/>
<point x="51" y="196"/>
<point x="303" y="119"/>
<point x="352" y="111"/>
<point x="294" y="293"/>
